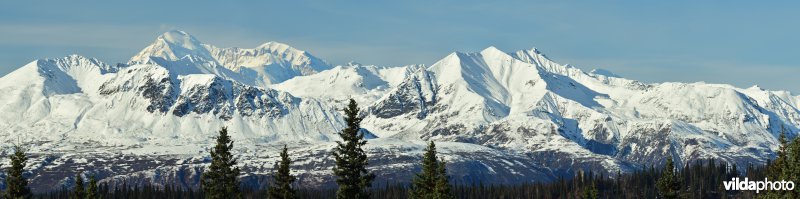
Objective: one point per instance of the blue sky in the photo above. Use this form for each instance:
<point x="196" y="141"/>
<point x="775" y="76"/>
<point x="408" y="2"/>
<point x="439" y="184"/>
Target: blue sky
<point x="736" y="42"/>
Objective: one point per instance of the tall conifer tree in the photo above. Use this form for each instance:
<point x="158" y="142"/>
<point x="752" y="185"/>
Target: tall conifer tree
<point x="351" y="160"/>
<point x="793" y="171"/>
<point x="220" y="179"/>
<point x="91" y="191"/>
<point x="16" y="184"/>
<point x="282" y="179"/>
<point x="669" y="184"/>
<point x="424" y="184"/>
<point x="79" y="192"/>
<point x="779" y="165"/>
<point x="591" y="192"/>
<point x="443" y="190"/>
<point x="432" y="182"/>
<point x="778" y="168"/>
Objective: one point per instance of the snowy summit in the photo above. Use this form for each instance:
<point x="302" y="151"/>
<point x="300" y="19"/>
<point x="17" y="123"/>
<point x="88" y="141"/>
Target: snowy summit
<point x="504" y="117"/>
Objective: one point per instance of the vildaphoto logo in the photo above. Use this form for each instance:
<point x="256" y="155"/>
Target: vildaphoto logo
<point x="746" y="185"/>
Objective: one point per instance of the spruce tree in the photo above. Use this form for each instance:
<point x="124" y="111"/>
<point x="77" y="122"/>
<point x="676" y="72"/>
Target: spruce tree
<point x="219" y="179"/>
<point x="351" y="160"/>
<point x="789" y="170"/>
<point x="16" y="184"/>
<point x="669" y="184"/>
<point x="591" y="192"/>
<point x="91" y="191"/>
<point x="282" y="179"/>
<point x="793" y="170"/>
<point x="779" y="168"/>
<point x="443" y="190"/>
<point x="424" y="183"/>
<point x="432" y="181"/>
<point x="78" y="192"/>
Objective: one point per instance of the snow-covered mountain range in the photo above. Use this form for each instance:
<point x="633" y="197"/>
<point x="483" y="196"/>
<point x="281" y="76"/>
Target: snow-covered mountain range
<point x="497" y="117"/>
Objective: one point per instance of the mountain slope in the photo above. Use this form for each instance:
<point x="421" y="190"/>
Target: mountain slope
<point x="525" y="100"/>
<point x="498" y="117"/>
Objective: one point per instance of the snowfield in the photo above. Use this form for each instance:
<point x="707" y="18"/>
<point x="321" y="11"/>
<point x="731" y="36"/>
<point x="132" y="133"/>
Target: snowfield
<point x="497" y="117"/>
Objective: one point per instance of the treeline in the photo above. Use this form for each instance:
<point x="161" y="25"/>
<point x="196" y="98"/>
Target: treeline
<point x="699" y="179"/>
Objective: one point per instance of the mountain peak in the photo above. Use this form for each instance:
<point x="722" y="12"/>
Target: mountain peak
<point x="173" y="45"/>
<point x="604" y="72"/>
<point x="275" y="46"/>
<point x="180" y="38"/>
<point x="495" y="53"/>
<point x="756" y="87"/>
<point x="353" y="63"/>
<point x="268" y="63"/>
<point x="533" y="52"/>
<point x="282" y="49"/>
<point x="491" y="49"/>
